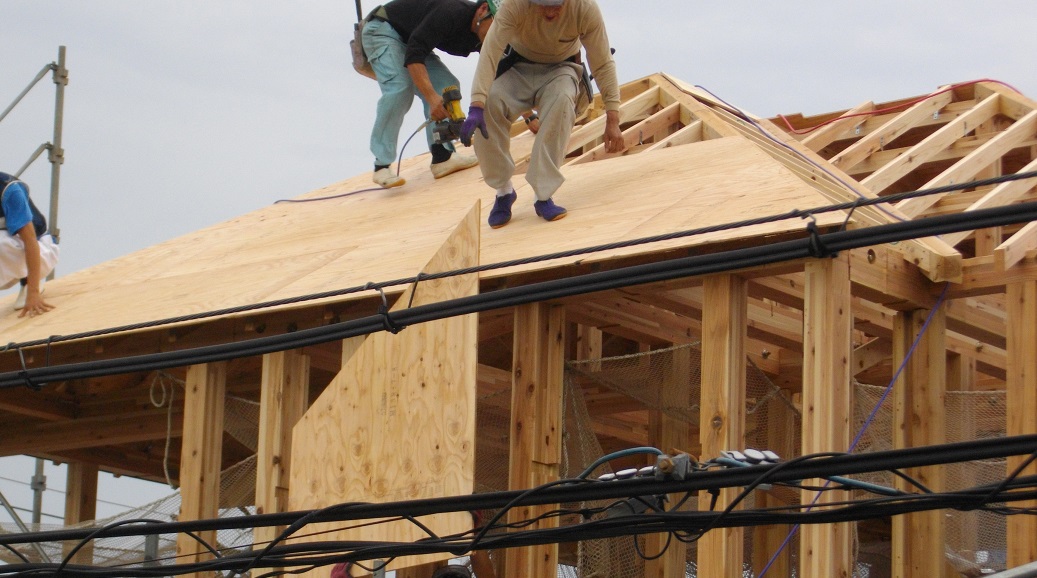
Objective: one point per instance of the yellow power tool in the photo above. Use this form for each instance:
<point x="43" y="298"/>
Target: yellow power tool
<point x="449" y="128"/>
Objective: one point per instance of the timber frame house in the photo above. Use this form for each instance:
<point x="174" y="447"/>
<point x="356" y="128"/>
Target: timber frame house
<point x="338" y="419"/>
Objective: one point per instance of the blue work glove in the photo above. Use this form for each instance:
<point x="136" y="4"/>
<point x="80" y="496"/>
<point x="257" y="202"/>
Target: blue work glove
<point x="475" y="120"/>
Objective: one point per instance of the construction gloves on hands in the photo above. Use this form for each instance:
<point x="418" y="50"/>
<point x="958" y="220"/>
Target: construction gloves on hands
<point x="475" y="120"/>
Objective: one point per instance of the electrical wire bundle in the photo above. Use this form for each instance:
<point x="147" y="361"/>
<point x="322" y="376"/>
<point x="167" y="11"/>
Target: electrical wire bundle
<point x="636" y="505"/>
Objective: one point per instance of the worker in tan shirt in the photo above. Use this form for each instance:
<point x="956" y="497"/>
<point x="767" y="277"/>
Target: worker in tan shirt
<point x="539" y="71"/>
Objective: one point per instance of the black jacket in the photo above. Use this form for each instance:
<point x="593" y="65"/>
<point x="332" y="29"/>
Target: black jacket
<point x="433" y="24"/>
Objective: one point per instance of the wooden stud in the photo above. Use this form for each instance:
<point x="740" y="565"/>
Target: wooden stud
<point x="670" y="435"/>
<point x="201" y="455"/>
<point x="80" y="505"/>
<point x="536" y="420"/>
<point x="826" y="550"/>
<point x="284" y="396"/>
<point x="769" y="545"/>
<point x="722" y="403"/>
<point x="919" y="420"/>
<point x="1022" y="407"/>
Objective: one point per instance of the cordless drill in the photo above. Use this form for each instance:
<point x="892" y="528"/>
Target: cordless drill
<point x="449" y="128"/>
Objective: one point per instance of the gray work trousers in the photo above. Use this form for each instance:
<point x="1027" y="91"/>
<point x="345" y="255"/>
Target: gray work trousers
<point x="550" y="89"/>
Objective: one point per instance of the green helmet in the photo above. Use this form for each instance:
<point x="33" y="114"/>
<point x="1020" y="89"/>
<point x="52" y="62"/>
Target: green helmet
<point x="493" y="4"/>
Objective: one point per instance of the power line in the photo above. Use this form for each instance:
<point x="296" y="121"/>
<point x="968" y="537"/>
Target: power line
<point x="815" y="244"/>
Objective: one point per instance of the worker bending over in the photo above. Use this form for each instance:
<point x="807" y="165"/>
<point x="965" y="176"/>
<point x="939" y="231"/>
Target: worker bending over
<point x="540" y="71"/>
<point x="398" y="39"/>
<point x="27" y="254"/>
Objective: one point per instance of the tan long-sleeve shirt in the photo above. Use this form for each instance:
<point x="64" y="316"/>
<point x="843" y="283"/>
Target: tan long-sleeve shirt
<point x="519" y="24"/>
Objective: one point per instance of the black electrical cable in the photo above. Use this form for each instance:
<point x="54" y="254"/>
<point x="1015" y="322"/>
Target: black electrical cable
<point x="544" y="291"/>
<point x="793" y="214"/>
<point x="321" y="554"/>
<point x="318" y="554"/>
<point x="583" y="492"/>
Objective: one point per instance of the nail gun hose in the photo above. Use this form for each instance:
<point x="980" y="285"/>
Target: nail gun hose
<point x="399" y="160"/>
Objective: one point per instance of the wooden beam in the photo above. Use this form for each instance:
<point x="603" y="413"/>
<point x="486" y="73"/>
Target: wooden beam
<point x="80" y="505"/>
<point x="284" y="397"/>
<point x="981" y="276"/>
<point x="827" y="134"/>
<point x="1000" y="196"/>
<point x="722" y="409"/>
<point x="201" y="455"/>
<point x="650" y="128"/>
<point x="1016" y="247"/>
<point x="1021" y="301"/>
<point x="967" y="167"/>
<point x="943" y="138"/>
<point x="715" y="126"/>
<point x="35" y="404"/>
<point x="536" y="425"/>
<point x="138" y="426"/>
<point x="919" y="419"/>
<point x="939" y="261"/>
<point x="826" y="550"/>
<point x="671" y="436"/>
<point x="887" y="133"/>
<point x="593" y="130"/>
<point x="686" y="135"/>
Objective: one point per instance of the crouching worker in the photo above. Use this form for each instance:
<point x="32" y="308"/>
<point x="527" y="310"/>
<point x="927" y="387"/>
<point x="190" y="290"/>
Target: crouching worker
<point x="531" y="61"/>
<point x="399" y="38"/>
<point x="27" y="253"/>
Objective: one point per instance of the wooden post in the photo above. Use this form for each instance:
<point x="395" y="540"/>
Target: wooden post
<point x="769" y="540"/>
<point x="826" y="550"/>
<point x="201" y="454"/>
<point x="722" y="403"/>
<point x="588" y="345"/>
<point x="670" y="435"/>
<point x="536" y="425"/>
<point x="284" y="397"/>
<point x="80" y="505"/>
<point x="919" y="419"/>
<point x="1021" y="302"/>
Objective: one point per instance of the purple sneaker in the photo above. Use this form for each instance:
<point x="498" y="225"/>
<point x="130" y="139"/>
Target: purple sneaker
<point x="500" y="214"/>
<point x="549" y="210"/>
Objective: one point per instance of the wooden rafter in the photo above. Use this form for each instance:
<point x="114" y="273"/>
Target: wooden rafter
<point x="968" y="167"/>
<point x="917" y="155"/>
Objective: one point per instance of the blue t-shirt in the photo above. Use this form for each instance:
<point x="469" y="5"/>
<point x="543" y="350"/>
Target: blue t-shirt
<point x="16" y="208"/>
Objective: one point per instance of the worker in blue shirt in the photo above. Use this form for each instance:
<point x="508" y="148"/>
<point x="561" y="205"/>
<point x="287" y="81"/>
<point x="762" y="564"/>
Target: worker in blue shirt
<point x="399" y="38"/>
<point x="27" y="253"/>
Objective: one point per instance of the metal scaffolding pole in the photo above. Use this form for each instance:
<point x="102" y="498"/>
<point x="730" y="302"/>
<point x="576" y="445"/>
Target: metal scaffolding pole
<point x="57" y="153"/>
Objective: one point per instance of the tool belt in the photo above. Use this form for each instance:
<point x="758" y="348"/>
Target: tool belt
<point x="378" y="13"/>
<point x="511" y="57"/>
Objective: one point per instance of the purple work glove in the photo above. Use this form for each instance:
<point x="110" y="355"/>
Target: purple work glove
<point x="475" y="120"/>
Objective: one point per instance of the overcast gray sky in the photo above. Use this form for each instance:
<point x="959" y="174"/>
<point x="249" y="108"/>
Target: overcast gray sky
<point x="182" y="114"/>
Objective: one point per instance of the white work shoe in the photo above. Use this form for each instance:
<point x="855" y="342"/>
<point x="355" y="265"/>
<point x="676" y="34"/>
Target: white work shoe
<point x="456" y="162"/>
<point x="387" y="179"/>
